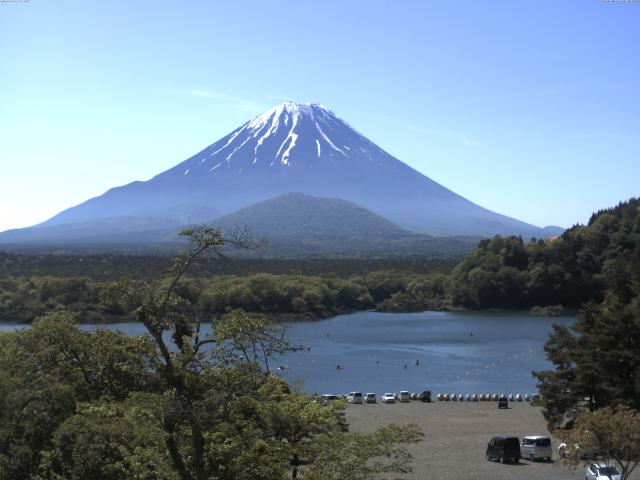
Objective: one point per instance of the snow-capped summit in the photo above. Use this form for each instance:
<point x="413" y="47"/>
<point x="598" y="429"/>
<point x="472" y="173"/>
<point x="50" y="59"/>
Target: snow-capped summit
<point x="293" y="147"/>
<point x="286" y="135"/>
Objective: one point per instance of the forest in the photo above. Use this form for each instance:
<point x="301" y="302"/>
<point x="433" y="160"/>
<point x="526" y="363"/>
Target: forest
<point x="594" y="388"/>
<point x="547" y="276"/>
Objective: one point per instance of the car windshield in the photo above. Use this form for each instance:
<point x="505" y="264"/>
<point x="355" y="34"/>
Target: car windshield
<point x="512" y="442"/>
<point x="608" y="471"/>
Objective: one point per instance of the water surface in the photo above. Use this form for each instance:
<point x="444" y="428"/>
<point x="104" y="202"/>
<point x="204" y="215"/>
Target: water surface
<point x="387" y="352"/>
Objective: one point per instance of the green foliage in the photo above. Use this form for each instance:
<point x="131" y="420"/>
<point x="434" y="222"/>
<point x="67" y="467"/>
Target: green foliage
<point x="251" y="335"/>
<point x="113" y="441"/>
<point x="609" y="435"/>
<point x="357" y="456"/>
<point x="598" y="358"/>
<point x="48" y="369"/>
<point x="297" y="421"/>
<point x="77" y="405"/>
<point x="574" y="269"/>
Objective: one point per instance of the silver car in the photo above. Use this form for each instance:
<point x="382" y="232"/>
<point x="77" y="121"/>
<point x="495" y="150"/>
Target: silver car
<point x="535" y="446"/>
<point x="389" y="398"/>
<point x="354" y="397"/>
<point x="601" y="471"/>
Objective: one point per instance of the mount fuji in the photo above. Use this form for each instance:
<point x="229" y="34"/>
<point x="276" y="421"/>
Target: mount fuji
<point x="293" y="147"/>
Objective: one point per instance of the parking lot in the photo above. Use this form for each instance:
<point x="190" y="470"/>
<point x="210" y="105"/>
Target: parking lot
<point x="456" y="437"/>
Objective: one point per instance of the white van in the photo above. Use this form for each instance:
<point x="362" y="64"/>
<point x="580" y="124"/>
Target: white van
<point x="354" y="397"/>
<point x="535" y="447"/>
<point x="404" y="396"/>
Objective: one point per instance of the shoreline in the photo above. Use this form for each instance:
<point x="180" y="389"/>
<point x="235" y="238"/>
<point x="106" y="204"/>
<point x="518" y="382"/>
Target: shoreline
<point x="294" y="317"/>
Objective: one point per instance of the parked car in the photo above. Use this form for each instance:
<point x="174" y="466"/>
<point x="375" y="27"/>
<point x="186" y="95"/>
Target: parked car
<point x="461" y="397"/>
<point x="404" y="396"/>
<point x="474" y="397"/>
<point x="503" y="402"/>
<point x="518" y="397"/>
<point x="354" y="397"/>
<point x="504" y="449"/>
<point x="602" y="471"/>
<point x="426" y="396"/>
<point x="536" y="399"/>
<point x="453" y="397"/>
<point x="527" y="397"/>
<point x="535" y="446"/>
<point x="370" y="398"/>
<point x="389" y="398"/>
<point x="328" y="397"/>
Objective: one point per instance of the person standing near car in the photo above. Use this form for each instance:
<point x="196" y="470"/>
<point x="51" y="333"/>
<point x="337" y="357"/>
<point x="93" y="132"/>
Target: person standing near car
<point x="562" y="450"/>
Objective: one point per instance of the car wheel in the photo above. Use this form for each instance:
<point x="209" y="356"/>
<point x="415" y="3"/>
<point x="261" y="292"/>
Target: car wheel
<point x="532" y="457"/>
<point x="500" y="459"/>
<point x="488" y="458"/>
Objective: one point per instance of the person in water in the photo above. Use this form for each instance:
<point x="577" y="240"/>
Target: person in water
<point x="378" y="363"/>
<point x="417" y="362"/>
<point x="338" y="367"/>
<point x="405" y="366"/>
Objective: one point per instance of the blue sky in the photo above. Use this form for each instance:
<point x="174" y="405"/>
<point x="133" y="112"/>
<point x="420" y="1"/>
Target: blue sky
<point x="531" y="109"/>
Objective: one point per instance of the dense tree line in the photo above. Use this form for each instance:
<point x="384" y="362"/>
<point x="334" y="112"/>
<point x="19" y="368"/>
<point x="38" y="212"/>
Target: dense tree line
<point x="570" y="270"/>
<point x="503" y="272"/>
<point x="597" y="359"/>
<point x="115" y="266"/>
<point x="176" y="404"/>
<point x="22" y="299"/>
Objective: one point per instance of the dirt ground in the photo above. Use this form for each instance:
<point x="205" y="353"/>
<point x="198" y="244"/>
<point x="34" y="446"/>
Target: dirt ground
<point x="456" y="437"/>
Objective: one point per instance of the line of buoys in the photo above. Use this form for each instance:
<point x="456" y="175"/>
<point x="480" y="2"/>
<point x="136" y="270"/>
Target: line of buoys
<point x="494" y="364"/>
<point x="485" y="397"/>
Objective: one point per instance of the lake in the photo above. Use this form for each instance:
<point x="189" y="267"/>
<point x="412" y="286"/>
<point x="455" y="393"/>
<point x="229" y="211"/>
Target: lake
<point x="462" y="352"/>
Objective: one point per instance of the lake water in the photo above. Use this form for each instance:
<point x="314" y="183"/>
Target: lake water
<point x="462" y="352"/>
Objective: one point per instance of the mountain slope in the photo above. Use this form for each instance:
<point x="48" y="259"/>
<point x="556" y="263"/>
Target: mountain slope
<point x="292" y="148"/>
<point x="299" y="216"/>
<point x="295" y="224"/>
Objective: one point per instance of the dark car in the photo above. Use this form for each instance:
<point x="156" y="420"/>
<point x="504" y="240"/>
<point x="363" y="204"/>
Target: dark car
<point x="503" y="402"/>
<point x="504" y="449"/>
<point x="426" y="396"/>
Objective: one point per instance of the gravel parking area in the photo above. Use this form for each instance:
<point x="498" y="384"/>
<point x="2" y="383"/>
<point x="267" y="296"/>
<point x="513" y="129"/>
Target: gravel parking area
<point x="456" y="437"/>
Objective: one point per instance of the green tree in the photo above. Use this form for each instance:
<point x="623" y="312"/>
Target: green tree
<point x="110" y="441"/>
<point x="610" y="435"/>
<point x="297" y="421"/>
<point x="358" y="456"/>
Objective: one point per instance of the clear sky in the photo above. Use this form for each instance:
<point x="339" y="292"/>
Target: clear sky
<point x="531" y="109"/>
